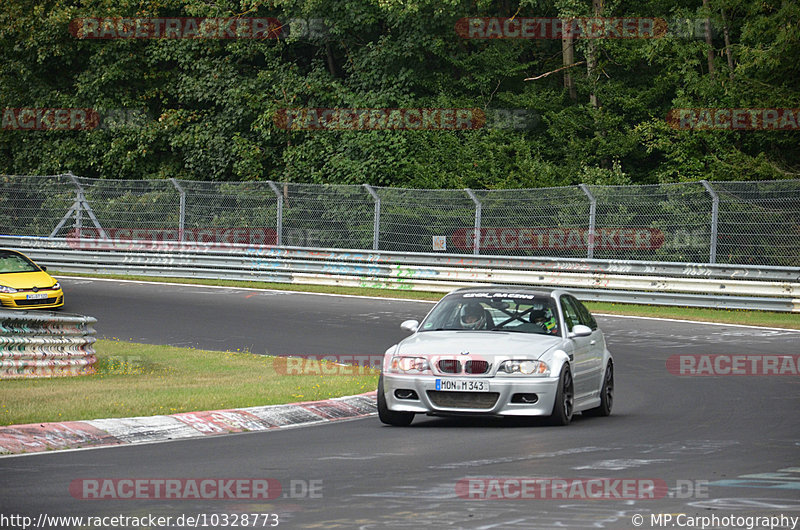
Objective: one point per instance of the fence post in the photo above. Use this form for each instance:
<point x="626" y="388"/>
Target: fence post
<point x="476" y="241"/>
<point x="376" y="225"/>
<point x="279" y="220"/>
<point x="182" y="209"/>
<point x="79" y="199"/>
<point x="83" y="204"/>
<point x="73" y="211"/>
<point x="712" y="254"/>
<point x="592" y="219"/>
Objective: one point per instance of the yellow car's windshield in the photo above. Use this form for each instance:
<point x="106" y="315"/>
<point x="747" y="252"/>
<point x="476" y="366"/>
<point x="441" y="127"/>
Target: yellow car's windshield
<point x="11" y="262"/>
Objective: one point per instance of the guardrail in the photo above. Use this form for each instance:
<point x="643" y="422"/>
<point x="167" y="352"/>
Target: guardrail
<point x="663" y="283"/>
<point x="45" y="344"/>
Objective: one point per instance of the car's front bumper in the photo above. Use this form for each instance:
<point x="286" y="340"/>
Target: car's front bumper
<point x="20" y="300"/>
<point x="496" y="402"/>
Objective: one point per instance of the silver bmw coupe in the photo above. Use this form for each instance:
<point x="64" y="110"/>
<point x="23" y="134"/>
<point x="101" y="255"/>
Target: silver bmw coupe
<point x="499" y="351"/>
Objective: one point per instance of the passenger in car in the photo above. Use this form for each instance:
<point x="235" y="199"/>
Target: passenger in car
<point x="545" y="320"/>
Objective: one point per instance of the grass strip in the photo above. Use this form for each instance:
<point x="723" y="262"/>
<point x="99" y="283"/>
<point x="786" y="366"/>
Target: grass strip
<point x="771" y="319"/>
<point x="737" y="316"/>
<point x="144" y="380"/>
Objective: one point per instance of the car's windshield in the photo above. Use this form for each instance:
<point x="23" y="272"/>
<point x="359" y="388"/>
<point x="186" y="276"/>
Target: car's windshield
<point x="494" y="311"/>
<point x="12" y="262"/>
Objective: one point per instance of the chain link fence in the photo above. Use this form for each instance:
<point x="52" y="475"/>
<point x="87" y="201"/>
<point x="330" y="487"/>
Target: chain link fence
<point x="702" y="222"/>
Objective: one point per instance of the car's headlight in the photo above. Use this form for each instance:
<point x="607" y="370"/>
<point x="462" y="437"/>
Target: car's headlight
<point x="525" y="367"/>
<point x="409" y="364"/>
<point x="56" y="286"/>
<point x="4" y="289"/>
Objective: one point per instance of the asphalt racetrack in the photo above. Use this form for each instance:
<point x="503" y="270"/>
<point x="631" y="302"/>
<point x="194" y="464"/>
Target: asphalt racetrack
<point x="722" y="450"/>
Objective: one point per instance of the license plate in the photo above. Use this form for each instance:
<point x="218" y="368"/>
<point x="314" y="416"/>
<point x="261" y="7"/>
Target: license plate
<point x="36" y="296"/>
<point x="462" y="385"/>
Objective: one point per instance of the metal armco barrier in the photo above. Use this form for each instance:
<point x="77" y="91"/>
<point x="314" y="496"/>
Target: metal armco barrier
<point x="45" y="344"/>
<point x="681" y="284"/>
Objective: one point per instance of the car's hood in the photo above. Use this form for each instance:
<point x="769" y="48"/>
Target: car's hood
<point x="26" y="280"/>
<point x="478" y="343"/>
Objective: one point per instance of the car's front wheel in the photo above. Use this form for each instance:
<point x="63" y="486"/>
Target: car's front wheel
<point x="606" y="394"/>
<point x="391" y="417"/>
<point x="565" y="399"/>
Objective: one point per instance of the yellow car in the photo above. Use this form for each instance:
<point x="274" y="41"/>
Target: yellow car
<point x="25" y="285"/>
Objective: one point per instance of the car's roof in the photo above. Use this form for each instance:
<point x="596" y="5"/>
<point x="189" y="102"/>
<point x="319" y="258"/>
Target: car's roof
<point x="504" y="288"/>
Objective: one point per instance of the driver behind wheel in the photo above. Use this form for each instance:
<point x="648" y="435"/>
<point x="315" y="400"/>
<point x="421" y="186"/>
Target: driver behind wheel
<point x="473" y="316"/>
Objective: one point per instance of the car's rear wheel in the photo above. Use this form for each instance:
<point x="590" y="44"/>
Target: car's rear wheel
<point x="391" y="417"/>
<point x="606" y="394"/>
<point x="565" y="399"/>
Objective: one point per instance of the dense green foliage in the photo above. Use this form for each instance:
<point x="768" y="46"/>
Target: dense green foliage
<point x="205" y="108"/>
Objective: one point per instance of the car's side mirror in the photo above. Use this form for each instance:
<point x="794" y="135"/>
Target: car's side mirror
<point x="580" y="331"/>
<point x="410" y="325"/>
<point x="43" y="267"/>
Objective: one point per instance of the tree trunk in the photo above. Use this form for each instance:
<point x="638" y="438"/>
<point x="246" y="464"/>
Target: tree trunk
<point x="331" y="60"/>
<point x="709" y="42"/>
<point x="728" y="51"/>
<point x="568" y="52"/>
<point x="591" y="56"/>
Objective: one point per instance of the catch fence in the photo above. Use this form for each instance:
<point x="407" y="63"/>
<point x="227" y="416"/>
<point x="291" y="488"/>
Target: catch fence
<point x="750" y="223"/>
